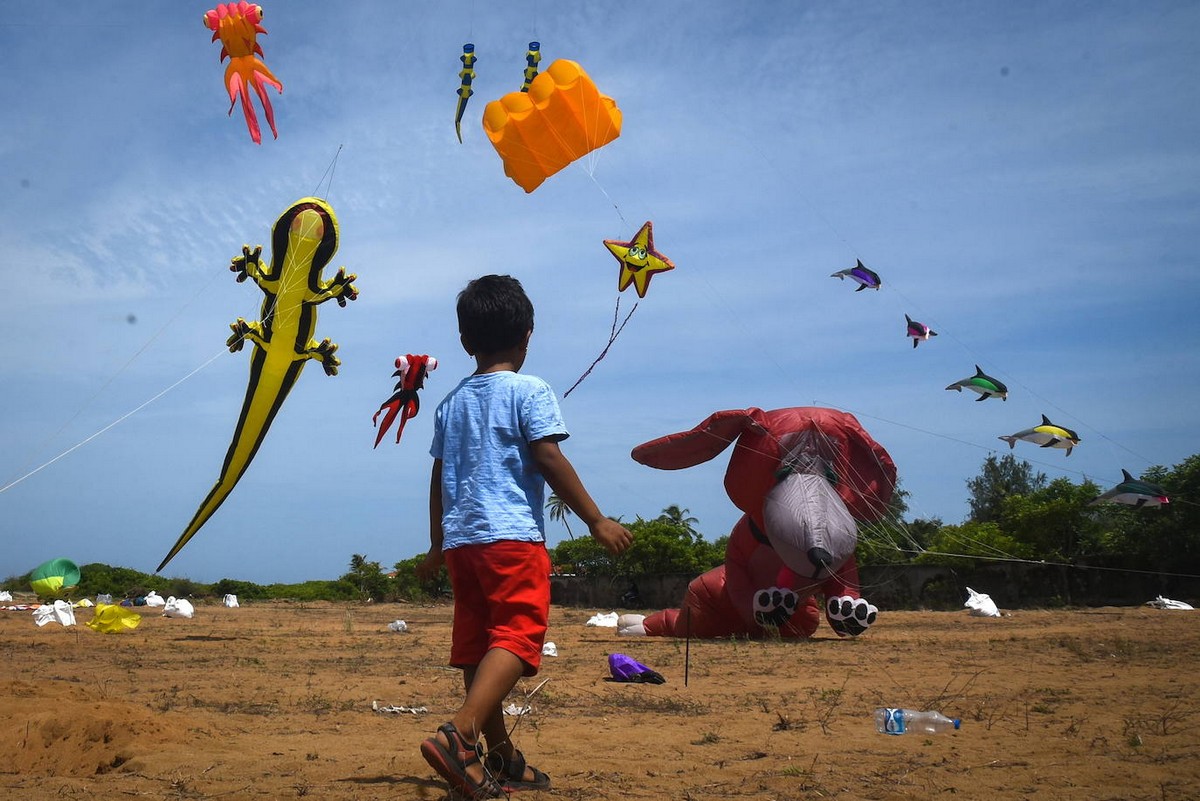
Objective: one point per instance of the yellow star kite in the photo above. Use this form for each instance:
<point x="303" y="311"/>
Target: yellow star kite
<point x="639" y="260"/>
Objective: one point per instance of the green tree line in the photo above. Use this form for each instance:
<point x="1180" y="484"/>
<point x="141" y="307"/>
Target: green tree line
<point x="1015" y="513"/>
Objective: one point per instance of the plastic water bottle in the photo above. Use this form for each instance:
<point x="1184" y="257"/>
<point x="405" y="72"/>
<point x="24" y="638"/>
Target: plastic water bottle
<point x="909" y="721"/>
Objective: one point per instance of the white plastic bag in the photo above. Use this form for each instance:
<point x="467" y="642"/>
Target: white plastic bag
<point x="154" y="599"/>
<point x="608" y="620"/>
<point x="58" y="612"/>
<point x="549" y="649"/>
<point x="398" y="626"/>
<point x="5" y="595"/>
<point x="1166" y="603"/>
<point x="981" y="604"/>
<point x="103" y="598"/>
<point x="177" y="607"/>
<point x="230" y="600"/>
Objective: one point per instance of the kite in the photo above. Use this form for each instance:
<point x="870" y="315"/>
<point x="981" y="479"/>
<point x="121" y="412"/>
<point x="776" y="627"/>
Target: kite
<point x="918" y="331"/>
<point x="113" y="618"/>
<point x="866" y="278"/>
<point x="627" y="669"/>
<point x="533" y="57"/>
<point x="303" y="241"/>
<point x="411" y="370"/>
<point x="1134" y="492"/>
<point x="237" y="26"/>
<point x="467" y="74"/>
<point x="803" y="478"/>
<point x="1047" y="435"/>
<point x="561" y="118"/>
<point x="639" y="260"/>
<point x="984" y="384"/>
<point x="55" y="578"/>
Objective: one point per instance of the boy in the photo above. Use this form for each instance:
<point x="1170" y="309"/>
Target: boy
<point x="495" y="446"/>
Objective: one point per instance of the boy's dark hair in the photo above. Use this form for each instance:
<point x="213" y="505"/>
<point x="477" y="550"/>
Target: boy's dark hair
<point x="494" y="314"/>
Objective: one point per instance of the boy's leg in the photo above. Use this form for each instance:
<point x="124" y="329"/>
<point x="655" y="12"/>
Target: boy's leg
<point x="488" y="684"/>
<point x="496" y="733"/>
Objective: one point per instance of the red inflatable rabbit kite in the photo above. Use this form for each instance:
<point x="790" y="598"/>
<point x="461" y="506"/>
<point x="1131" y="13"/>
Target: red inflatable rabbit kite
<point x="803" y="477"/>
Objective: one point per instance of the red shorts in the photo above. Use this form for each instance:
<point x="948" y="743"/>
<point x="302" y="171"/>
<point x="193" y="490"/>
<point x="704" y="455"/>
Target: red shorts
<point x="501" y="600"/>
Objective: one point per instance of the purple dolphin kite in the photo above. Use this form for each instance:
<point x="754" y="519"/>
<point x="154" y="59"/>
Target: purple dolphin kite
<point x="866" y="278"/>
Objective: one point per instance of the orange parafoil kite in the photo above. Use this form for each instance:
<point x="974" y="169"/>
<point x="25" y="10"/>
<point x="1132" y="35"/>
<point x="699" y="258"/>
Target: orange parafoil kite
<point x="561" y="118"/>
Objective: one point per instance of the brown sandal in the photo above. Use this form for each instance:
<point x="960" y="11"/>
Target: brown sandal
<point x="510" y="773"/>
<point x="452" y="763"/>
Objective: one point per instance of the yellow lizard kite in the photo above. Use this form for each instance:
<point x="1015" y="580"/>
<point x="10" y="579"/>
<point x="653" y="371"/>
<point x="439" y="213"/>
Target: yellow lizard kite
<point x="303" y="240"/>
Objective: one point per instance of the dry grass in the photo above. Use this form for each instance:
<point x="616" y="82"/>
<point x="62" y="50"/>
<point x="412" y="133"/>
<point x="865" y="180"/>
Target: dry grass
<point x="274" y="701"/>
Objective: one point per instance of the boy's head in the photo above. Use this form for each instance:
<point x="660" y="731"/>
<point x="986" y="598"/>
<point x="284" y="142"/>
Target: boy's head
<point x="494" y="314"/>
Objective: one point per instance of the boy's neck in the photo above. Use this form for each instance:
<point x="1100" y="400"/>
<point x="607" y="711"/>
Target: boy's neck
<point x="505" y="360"/>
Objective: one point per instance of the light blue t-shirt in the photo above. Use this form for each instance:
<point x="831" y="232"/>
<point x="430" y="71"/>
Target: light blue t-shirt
<point x="491" y="489"/>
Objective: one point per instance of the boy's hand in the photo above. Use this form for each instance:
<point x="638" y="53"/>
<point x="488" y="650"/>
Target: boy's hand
<point x="612" y="535"/>
<point x="429" y="567"/>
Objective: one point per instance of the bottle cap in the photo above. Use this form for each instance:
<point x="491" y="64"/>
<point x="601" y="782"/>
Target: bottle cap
<point x="957" y="722"/>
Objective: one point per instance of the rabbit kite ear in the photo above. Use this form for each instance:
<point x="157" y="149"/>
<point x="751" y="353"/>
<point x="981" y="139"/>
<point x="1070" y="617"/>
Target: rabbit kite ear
<point x="709" y="438"/>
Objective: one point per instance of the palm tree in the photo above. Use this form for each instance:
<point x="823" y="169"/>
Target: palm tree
<point x="679" y="517"/>
<point x="560" y="511"/>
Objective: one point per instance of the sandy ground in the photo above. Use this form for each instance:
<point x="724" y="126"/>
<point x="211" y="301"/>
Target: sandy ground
<point x="274" y="701"/>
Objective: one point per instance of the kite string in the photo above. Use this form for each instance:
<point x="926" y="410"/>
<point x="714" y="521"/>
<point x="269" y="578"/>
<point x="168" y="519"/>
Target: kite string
<point x="612" y="337"/>
<point x="112" y="424"/>
<point x="591" y="174"/>
<point x="108" y="382"/>
<point x="328" y="171"/>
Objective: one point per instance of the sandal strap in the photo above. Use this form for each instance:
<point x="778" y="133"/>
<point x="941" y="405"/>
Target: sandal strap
<point x="514" y="767"/>
<point x="467" y="754"/>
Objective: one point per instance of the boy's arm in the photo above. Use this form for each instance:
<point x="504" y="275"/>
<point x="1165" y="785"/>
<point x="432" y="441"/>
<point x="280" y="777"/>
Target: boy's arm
<point x="434" y="559"/>
<point x="561" y="476"/>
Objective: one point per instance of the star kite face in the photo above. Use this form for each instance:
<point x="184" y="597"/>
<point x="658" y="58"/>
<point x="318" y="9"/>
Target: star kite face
<point x="639" y="260"/>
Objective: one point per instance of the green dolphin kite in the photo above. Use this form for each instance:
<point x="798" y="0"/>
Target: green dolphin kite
<point x="984" y="384"/>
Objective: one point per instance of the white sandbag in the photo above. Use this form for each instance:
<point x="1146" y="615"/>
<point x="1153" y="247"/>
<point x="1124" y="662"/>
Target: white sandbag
<point x="606" y="619"/>
<point x="1166" y="603"/>
<point x="230" y="600"/>
<point x="154" y="599"/>
<point x="177" y="607"/>
<point x="5" y="595"/>
<point x="981" y="604"/>
<point x="58" y="612"/>
<point x="630" y="625"/>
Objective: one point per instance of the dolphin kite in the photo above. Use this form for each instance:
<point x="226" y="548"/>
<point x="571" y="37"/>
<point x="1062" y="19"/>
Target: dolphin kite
<point x="918" y="331"/>
<point x="866" y="278"/>
<point x="981" y="382"/>
<point x="1047" y="435"/>
<point x="1133" y="492"/>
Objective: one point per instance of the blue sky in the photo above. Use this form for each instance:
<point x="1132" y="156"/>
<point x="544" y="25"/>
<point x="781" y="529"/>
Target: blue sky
<point x="1024" y="176"/>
